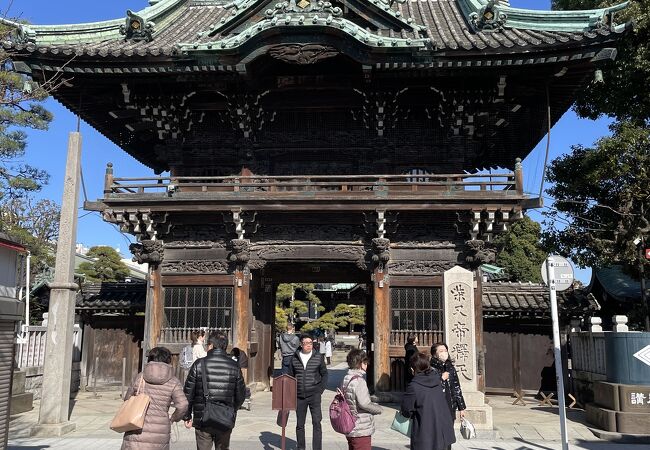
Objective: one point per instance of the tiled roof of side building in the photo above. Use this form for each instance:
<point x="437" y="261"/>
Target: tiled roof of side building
<point x="178" y="27"/>
<point x="112" y="296"/>
<point x="506" y="297"/>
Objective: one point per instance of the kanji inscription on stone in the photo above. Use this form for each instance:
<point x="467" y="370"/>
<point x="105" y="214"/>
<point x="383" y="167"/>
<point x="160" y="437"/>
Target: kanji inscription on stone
<point x="460" y="327"/>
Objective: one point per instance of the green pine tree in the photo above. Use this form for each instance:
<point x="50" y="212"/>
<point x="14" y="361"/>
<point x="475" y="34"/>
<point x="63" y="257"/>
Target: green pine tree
<point x="107" y="265"/>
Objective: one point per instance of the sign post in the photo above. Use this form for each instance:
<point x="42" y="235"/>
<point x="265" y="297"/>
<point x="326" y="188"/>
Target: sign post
<point x="557" y="273"/>
<point x="284" y="400"/>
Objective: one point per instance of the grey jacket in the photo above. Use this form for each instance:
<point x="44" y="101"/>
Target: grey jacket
<point x="361" y="406"/>
<point x="288" y="343"/>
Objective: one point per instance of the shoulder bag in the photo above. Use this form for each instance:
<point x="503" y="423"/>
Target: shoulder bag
<point x="402" y="424"/>
<point x="130" y="416"/>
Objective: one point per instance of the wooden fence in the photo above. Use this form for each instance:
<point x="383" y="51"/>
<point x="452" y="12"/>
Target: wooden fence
<point x="588" y="352"/>
<point x="32" y="352"/>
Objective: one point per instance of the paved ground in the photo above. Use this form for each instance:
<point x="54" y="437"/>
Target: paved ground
<point x="516" y="428"/>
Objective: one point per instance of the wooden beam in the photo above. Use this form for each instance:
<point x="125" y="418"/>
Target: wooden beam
<point x="198" y="280"/>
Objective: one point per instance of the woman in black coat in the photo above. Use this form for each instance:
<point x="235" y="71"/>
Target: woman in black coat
<point x="441" y="362"/>
<point x="424" y="403"/>
<point x="410" y="349"/>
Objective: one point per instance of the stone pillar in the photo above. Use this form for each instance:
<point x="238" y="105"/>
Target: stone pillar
<point x="620" y="324"/>
<point x="460" y="334"/>
<point x="381" y="291"/>
<point x="55" y="401"/>
<point x="595" y="324"/>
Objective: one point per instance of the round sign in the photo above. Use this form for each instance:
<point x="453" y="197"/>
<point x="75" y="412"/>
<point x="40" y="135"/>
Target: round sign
<point x="563" y="273"/>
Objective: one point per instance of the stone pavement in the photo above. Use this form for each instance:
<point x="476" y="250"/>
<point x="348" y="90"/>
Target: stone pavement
<point x="516" y="427"/>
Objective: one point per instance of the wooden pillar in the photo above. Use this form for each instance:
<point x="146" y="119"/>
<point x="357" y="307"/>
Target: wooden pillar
<point x="154" y="312"/>
<point x="381" y="358"/>
<point x="242" y="314"/>
<point x="516" y="362"/>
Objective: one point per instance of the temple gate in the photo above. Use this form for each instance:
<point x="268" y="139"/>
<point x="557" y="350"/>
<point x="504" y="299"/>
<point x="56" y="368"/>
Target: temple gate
<point x="378" y="141"/>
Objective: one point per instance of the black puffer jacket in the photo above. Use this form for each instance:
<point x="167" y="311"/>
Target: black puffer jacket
<point x="311" y="380"/>
<point x="225" y="384"/>
<point x="450" y="386"/>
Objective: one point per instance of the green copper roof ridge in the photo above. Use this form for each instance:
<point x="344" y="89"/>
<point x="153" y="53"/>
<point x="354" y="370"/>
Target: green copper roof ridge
<point x="543" y="20"/>
<point x="242" y="6"/>
<point x="92" y="31"/>
<point x="341" y="24"/>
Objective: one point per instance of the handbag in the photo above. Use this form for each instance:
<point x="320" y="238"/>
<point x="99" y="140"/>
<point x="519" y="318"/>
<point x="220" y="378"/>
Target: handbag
<point x="402" y="424"/>
<point x="130" y="416"/>
<point x="467" y="429"/>
<point x="216" y="415"/>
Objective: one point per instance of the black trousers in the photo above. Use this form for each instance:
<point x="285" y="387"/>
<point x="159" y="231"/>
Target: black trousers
<point x="205" y="440"/>
<point x="314" y="404"/>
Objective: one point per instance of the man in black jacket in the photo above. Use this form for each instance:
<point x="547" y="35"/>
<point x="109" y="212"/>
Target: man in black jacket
<point x="225" y="385"/>
<point x="309" y="369"/>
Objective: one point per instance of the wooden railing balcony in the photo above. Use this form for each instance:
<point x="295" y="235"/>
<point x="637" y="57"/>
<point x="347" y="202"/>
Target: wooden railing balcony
<point x="420" y="189"/>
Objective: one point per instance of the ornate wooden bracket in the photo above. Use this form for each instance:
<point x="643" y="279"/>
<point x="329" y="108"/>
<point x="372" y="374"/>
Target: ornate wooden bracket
<point x="241" y="222"/>
<point x="381" y="110"/>
<point x="147" y="252"/>
<point x="380" y="253"/>
<point x="140" y="223"/>
<point x="245" y="112"/>
<point x="239" y="253"/>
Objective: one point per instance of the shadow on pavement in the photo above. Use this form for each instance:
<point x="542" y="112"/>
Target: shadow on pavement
<point x="531" y="445"/>
<point x="27" y="447"/>
<point x="273" y="441"/>
<point x="574" y="415"/>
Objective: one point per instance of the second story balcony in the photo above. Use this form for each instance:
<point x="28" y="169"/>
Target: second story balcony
<point x="460" y="191"/>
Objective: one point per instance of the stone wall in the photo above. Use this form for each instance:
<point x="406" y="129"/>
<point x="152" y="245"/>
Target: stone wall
<point x="34" y="379"/>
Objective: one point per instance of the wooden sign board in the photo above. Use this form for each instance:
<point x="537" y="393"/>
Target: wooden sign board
<point x="284" y="393"/>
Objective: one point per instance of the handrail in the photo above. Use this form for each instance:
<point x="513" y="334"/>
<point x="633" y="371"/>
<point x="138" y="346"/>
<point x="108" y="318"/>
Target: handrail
<point x="507" y="181"/>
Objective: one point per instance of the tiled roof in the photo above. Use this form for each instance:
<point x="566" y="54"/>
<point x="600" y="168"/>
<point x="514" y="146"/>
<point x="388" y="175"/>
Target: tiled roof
<point x="112" y="296"/>
<point x="505" y="297"/>
<point x="181" y="27"/>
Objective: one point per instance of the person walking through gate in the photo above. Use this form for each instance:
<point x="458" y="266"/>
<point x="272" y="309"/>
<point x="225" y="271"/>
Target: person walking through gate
<point x="160" y="384"/>
<point x="443" y="364"/>
<point x="358" y="398"/>
<point x="410" y="349"/>
<point x="424" y="402"/>
<point x="288" y="342"/>
<point x="225" y="385"/>
<point x="328" y="350"/>
<point x="308" y="367"/>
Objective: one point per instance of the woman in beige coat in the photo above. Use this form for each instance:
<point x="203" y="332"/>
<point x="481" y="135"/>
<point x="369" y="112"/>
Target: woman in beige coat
<point x="162" y="387"/>
<point x="358" y="398"/>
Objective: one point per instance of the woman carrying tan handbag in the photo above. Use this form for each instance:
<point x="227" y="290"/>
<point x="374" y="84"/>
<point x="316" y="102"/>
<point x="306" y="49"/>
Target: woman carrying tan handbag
<point x="162" y="388"/>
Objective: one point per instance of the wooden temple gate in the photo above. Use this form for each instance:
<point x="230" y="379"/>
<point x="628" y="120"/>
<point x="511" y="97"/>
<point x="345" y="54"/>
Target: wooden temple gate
<point x="348" y="133"/>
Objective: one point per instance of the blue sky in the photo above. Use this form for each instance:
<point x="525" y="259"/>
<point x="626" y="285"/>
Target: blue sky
<point x="47" y="150"/>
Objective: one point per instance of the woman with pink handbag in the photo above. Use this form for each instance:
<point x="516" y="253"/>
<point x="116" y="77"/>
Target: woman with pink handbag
<point x="157" y="381"/>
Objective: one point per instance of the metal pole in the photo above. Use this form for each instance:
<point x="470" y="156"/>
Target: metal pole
<point x="645" y="305"/>
<point x="27" y="288"/>
<point x="95" y="375"/>
<point x="550" y="272"/>
<point x="123" y="375"/>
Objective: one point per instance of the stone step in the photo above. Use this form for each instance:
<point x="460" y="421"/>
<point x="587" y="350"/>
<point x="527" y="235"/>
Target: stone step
<point x="18" y="384"/>
<point x="21" y="403"/>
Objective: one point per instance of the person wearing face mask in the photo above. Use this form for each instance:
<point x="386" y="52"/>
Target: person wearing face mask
<point x="443" y="364"/>
<point x="358" y="398"/>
